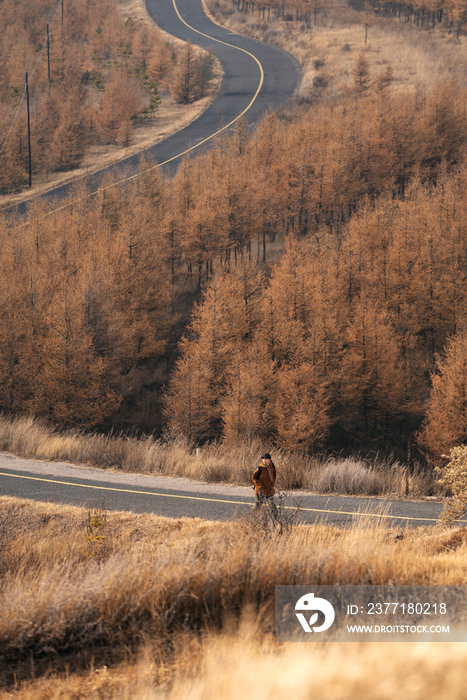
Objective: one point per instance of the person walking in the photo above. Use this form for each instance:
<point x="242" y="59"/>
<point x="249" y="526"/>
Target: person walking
<point x="264" y="478"/>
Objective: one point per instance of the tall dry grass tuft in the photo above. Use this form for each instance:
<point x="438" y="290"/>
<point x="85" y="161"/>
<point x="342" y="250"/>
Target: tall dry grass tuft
<point x="349" y="476"/>
<point x="214" y="463"/>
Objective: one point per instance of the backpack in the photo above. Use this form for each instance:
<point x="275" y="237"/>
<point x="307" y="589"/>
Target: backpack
<point x="258" y="469"/>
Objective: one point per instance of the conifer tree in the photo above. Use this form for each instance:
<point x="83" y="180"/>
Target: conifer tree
<point x="301" y="304"/>
<point x="160" y="62"/>
<point x="382" y="82"/>
<point x="445" y="423"/>
<point x="361" y="77"/>
<point x="11" y="337"/>
<point x="121" y="100"/>
<point x="190" y="402"/>
<point x="301" y="410"/>
<point x="72" y="386"/>
<point x="69" y="139"/>
<point x="286" y="302"/>
<point x="248" y="396"/>
<point x="141" y="285"/>
<point x="185" y="86"/>
<point x="205" y="233"/>
<point x="226" y="317"/>
<point x="371" y="391"/>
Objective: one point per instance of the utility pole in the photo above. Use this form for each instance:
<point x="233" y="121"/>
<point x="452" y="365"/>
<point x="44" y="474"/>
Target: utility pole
<point x="29" y="130"/>
<point x="62" y="63"/>
<point x="48" y="53"/>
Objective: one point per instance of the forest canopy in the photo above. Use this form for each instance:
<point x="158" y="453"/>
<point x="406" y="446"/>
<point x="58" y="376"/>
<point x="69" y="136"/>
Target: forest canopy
<point x="325" y="257"/>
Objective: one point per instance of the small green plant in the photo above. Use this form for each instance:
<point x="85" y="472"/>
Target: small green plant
<point x="95" y="524"/>
<point x="454" y="478"/>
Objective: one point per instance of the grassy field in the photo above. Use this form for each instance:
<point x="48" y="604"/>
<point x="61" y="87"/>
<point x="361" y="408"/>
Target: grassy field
<point x="328" y="50"/>
<point x="116" y="605"/>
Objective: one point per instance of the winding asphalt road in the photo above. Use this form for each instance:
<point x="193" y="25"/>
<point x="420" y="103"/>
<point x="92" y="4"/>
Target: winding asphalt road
<point x="177" y="498"/>
<point x="257" y="77"/>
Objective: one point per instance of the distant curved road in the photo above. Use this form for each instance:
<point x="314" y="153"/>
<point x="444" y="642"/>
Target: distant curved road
<point x="177" y="498"/>
<point x="257" y="77"/>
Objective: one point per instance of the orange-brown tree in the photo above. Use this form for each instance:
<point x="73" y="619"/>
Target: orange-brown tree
<point x="192" y="75"/>
<point x="445" y="424"/>
<point x="221" y="323"/>
<point x="247" y="401"/>
<point x="121" y="101"/>
<point x="371" y="393"/>
<point x="301" y="409"/>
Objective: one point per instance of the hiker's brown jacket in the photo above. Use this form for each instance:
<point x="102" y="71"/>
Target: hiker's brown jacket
<point x="264" y="479"/>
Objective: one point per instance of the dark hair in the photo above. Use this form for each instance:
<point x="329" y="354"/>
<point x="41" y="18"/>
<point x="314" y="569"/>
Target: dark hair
<point x="266" y="456"/>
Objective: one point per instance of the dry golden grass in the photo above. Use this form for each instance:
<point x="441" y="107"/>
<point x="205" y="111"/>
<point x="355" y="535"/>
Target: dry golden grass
<point x="160" y="601"/>
<point x="234" y="666"/>
<point x="327" y="52"/>
<point x="214" y="463"/>
<point x="233" y="669"/>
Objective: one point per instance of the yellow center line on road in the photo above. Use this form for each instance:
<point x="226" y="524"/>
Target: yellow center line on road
<point x="192" y="148"/>
<point x="253" y="99"/>
<point x="219" y="500"/>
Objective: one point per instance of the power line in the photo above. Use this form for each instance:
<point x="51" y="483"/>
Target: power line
<point x="26" y="86"/>
<point x="13" y="122"/>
